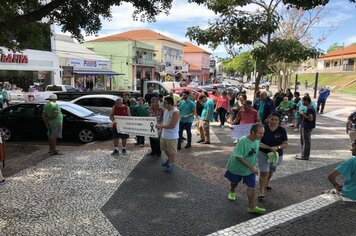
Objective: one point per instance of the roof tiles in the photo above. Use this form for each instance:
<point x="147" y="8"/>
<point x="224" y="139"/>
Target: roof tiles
<point x="138" y="35"/>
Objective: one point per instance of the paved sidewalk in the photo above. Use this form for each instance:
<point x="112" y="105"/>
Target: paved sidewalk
<point x="63" y="194"/>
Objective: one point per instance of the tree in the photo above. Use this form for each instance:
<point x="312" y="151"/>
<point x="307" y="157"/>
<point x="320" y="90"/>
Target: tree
<point x="242" y="64"/>
<point x="20" y="21"/>
<point x="234" y="26"/>
<point x="334" y="47"/>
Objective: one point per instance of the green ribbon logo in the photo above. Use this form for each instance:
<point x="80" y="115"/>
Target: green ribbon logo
<point x="152" y="127"/>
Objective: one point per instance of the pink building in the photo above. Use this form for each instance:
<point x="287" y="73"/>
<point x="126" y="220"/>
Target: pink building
<point x="199" y="62"/>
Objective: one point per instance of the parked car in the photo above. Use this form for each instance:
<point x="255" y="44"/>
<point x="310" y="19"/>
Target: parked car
<point x="25" y="120"/>
<point x="98" y="103"/>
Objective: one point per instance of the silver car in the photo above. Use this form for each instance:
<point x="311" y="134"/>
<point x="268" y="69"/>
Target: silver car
<point x="97" y="103"/>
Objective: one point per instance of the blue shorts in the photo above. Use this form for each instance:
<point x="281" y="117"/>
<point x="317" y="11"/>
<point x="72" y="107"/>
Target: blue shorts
<point x="116" y="135"/>
<point x="249" y="180"/>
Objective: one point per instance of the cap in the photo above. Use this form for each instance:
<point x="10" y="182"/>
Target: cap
<point x="52" y="97"/>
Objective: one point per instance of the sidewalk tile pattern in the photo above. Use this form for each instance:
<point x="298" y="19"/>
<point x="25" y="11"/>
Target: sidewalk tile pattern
<point x="63" y="194"/>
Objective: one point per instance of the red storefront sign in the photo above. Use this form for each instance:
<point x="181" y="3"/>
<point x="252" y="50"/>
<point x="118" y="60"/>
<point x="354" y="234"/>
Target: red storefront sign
<point x="14" y="58"/>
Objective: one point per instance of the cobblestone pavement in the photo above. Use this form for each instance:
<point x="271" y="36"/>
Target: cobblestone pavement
<point x="63" y="194"/>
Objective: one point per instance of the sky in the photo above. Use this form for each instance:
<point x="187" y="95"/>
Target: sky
<point x="340" y="17"/>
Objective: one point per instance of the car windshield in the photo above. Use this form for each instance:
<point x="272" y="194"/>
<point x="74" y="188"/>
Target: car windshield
<point x="76" y="109"/>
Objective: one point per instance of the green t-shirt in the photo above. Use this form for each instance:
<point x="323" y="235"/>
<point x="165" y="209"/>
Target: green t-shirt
<point x="246" y="149"/>
<point x="141" y="110"/>
<point x="50" y="108"/>
<point x="284" y="105"/>
<point x="261" y="109"/>
<point x="348" y="169"/>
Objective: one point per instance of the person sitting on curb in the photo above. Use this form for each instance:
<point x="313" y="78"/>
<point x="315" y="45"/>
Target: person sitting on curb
<point x="242" y="166"/>
<point x="348" y="170"/>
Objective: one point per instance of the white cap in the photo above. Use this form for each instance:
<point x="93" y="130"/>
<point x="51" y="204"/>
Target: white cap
<point x="52" y="97"/>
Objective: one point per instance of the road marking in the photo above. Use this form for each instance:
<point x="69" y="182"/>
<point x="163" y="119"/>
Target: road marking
<point x="262" y="223"/>
<point x="321" y="136"/>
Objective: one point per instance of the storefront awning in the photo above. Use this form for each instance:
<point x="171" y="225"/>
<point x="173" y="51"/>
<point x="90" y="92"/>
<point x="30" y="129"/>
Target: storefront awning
<point x="96" y="72"/>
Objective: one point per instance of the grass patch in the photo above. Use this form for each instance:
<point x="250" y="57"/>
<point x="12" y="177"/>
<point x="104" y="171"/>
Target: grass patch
<point x="335" y="80"/>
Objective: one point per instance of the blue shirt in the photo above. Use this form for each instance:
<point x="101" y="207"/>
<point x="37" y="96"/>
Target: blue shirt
<point x="274" y="138"/>
<point x="348" y="169"/>
<point x="186" y="108"/>
<point x="323" y="94"/>
<point x="208" y="106"/>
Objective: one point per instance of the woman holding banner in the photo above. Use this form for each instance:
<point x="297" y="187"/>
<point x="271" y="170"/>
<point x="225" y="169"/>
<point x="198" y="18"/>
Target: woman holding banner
<point x="155" y="111"/>
<point x="119" y="109"/>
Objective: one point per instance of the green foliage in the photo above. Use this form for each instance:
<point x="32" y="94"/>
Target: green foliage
<point x="243" y="64"/>
<point x="234" y="27"/>
<point x="17" y="17"/>
<point x="334" y="47"/>
<point x="286" y="50"/>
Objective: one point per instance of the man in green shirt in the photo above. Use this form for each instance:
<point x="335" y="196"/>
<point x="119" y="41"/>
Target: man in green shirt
<point x="242" y="166"/>
<point x="53" y="118"/>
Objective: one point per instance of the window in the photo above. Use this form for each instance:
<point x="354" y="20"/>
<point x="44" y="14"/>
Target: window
<point x="23" y="111"/>
<point x="105" y="102"/>
<point x="87" y="102"/>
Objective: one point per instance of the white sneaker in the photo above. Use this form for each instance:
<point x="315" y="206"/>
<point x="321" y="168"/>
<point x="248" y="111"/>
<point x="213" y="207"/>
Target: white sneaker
<point x="296" y="130"/>
<point x="235" y="141"/>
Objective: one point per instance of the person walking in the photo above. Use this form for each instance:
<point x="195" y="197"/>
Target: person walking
<point x="187" y="111"/>
<point x="346" y="169"/>
<point x="270" y="154"/>
<point x="53" y="118"/>
<point x="119" y="109"/>
<point x="222" y="106"/>
<point x="307" y="125"/>
<point x="170" y="128"/>
<point x="242" y="166"/>
<point x="155" y="111"/>
<point x="323" y="95"/>
<point x="207" y="116"/>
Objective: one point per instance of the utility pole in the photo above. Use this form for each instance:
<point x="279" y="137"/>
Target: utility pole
<point x="316" y="83"/>
<point x="296" y="81"/>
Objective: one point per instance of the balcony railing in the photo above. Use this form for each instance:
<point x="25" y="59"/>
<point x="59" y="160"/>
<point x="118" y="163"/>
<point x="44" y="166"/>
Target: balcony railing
<point x="148" y="62"/>
<point x="338" y="68"/>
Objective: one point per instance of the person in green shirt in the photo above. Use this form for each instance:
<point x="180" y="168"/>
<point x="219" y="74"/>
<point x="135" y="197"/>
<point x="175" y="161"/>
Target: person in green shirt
<point x="53" y="118"/>
<point x="242" y="166"/>
<point x="141" y="110"/>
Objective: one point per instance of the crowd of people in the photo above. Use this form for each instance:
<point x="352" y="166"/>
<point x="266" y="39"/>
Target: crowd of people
<point x="264" y="144"/>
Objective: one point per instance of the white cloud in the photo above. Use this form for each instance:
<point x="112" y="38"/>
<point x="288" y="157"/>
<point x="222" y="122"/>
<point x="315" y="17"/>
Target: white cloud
<point x="350" y="40"/>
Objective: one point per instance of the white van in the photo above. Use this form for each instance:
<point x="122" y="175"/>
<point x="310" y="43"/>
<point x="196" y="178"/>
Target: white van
<point x="172" y="85"/>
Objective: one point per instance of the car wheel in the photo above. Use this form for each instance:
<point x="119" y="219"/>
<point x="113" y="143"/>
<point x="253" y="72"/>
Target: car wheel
<point x="6" y="133"/>
<point x="86" y="135"/>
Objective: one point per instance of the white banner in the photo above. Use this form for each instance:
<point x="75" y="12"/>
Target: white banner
<point x="142" y="126"/>
<point x="239" y="131"/>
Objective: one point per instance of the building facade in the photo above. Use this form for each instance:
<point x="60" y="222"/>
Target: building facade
<point x="142" y="54"/>
<point x="340" y="60"/>
<point x="28" y="67"/>
<point x="199" y="63"/>
<point x="81" y="67"/>
<point x="133" y="58"/>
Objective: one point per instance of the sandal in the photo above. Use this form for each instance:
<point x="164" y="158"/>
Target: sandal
<point x="261" y="198"/>
<point x="268" y="188"/>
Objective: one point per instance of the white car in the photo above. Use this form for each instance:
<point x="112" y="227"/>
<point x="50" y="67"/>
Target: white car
<point x="97" y="103"/>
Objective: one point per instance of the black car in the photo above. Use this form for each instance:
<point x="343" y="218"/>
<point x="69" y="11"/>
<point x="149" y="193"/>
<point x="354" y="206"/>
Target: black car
<point x="25" y="120"/>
